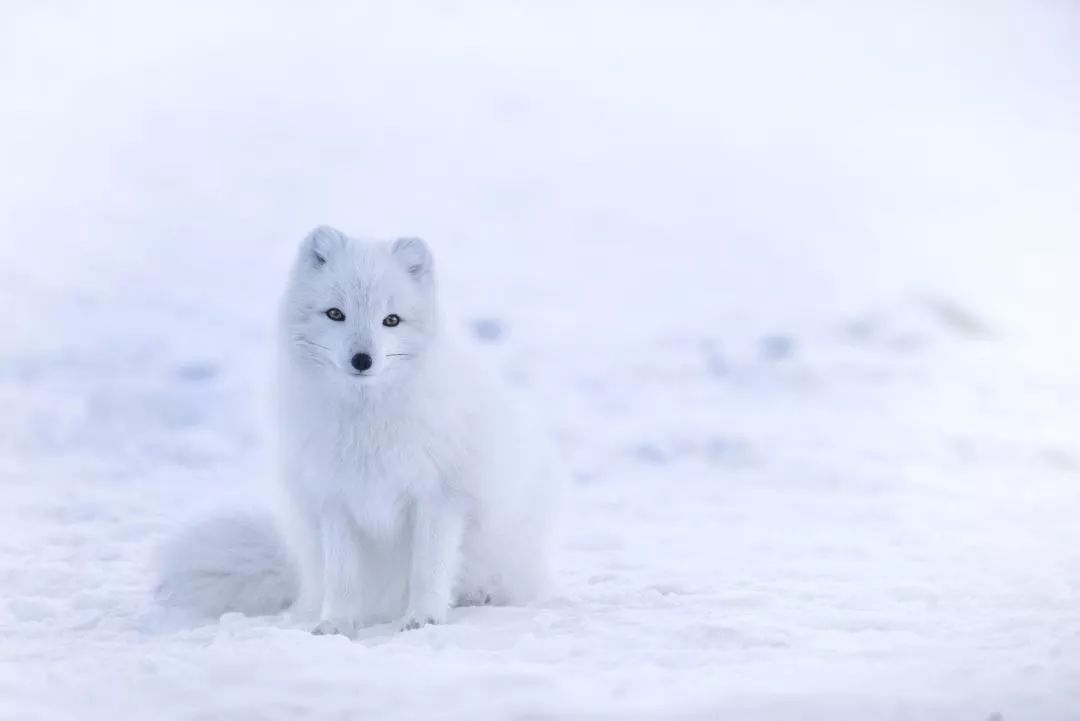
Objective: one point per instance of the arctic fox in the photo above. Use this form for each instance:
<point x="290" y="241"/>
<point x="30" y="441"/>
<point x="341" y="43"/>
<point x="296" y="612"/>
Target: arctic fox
<point x="411" y="485"/>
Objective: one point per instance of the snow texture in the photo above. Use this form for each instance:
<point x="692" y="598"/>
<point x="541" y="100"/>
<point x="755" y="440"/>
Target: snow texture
<point x="795" y="285"/>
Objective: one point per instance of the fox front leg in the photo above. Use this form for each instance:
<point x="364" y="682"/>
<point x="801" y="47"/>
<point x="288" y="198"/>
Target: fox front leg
<point x="341" y="575"/>
<point x="438" y="525"/>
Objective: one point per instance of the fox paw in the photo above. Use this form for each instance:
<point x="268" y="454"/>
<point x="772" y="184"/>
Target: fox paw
<point x="414" y="621"/>
<point x="474" y="597"/>
<point x="336" y="627"/>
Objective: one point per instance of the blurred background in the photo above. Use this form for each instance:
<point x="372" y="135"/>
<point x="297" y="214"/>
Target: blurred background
<point x="795" y="282"/>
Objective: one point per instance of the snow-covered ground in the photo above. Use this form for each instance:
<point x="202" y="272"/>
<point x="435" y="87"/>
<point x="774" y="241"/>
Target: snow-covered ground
<point x="795" y="283"/>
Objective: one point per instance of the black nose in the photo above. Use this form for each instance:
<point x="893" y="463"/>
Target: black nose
<point x="361" y="361"/>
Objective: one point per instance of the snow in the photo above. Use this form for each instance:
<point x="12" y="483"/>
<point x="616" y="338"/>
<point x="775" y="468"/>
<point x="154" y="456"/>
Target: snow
<point x="795" y="286"/>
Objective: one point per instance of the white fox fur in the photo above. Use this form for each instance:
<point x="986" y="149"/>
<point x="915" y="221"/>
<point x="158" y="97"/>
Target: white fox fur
<point x="228" y="563"/>
<point x="411" y="484"/>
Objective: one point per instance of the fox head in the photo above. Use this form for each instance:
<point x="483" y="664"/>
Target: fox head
<point x="362" y="311"/>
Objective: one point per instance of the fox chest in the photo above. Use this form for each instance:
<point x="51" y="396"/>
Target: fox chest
<point x="377" y="472"/>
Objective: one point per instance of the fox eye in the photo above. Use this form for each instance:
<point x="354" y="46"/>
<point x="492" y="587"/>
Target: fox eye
<point x="335" y="314"/>
<point x="391" y="320"/>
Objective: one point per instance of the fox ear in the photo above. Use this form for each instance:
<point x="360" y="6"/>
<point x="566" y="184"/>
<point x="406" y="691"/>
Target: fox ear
<point x="415" y="256"/>
<point x="321" y="244"/>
